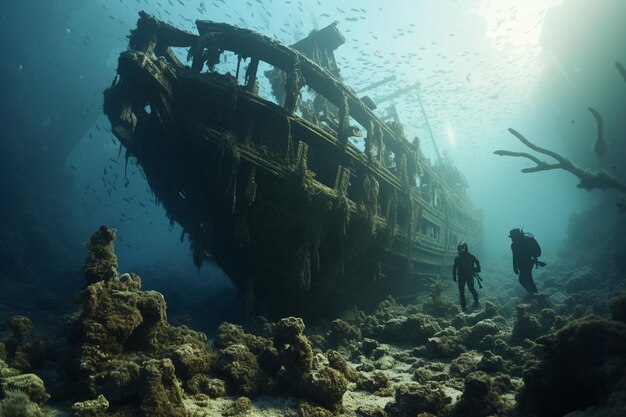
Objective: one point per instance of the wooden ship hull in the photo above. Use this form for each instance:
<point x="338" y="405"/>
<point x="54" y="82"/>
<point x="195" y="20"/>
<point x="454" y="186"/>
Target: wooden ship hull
<point x="300" y="219"/>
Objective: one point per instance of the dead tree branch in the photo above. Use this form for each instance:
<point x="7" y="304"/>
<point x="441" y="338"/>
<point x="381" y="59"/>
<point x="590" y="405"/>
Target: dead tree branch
<point x="588" y="179"/>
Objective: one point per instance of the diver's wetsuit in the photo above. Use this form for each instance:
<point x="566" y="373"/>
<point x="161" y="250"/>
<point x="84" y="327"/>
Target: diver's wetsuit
<point x="465" y="264"/>
<point x="523" y="263"/>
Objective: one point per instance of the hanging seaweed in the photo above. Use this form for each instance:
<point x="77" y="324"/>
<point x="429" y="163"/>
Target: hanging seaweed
<point x="369" y="203"/>
<point x="380" y="143"/>
<point x="403" y="172"/>
<point x="344" y="121"/>
<point x="392" y="217"/>
<point x="251" y="187"/>
<point x="301" y="163"/>
<point x="289" y="145"/>
<point x="303" y="266"/>
<point x="369" y="141"/>
<point x="293" y="84"/>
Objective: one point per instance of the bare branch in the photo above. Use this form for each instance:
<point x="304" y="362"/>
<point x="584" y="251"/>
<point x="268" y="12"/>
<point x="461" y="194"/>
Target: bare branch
<point x="522" y="155"/>
<point x="600" y="146"/>
<point x="535" y="147"/>
<point x="588" y="179"/>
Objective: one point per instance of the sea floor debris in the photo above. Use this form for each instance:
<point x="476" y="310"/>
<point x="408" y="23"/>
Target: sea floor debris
<point x="549" y="355"/>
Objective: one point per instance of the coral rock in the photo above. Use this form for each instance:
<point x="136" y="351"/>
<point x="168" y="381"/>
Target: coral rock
<point x="326" y="387"/>
<point x="343" y="334"/>
<point x="240" y="369"/>
<point x="20" y="326"/>
<point x="29" y="384"/>
<point x="412" y="399"/>
<point x="17" y="404"/>
<point x="339" y="363"/>
<point x="526" y="326"/>
<point x="464" y="364"/>
<point x="479" y="331"/>
<point x="160" y="394"/>
<point x="91" y="408"/>
<point x="479" y="399"/>
<point x="101" y="263"/>
<point x="583" y="363"/>
<point x="239" y="407"/>
<point x="288" y="329"/>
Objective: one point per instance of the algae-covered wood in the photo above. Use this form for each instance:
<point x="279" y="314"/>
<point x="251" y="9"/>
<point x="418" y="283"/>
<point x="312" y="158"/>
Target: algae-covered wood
<point x="299" y="218"/>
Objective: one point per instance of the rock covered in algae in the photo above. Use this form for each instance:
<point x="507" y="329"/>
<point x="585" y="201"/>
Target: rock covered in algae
<point x="101" y="263"/>
<point x="526" y="326"/>
<point x="343" y="334"/>
<point x="412" y="399"/>
<point x="124" y="347"/>
<point x="239" y="407"/>
<point x="325" y="386"/>
<point x="583" y="364"/>
<point x="479" y="398"/>
<point x="29" y="384"/>
<point x="338" y="362"/>
<point x="414" y="329"/>
<point x="25" y="350"/>
<point x="160" y="393"/>
<point x="464" y="364"/>
<point x="240" y="369"/>
<point x="18" y="404"/>
<point x="284" y="364"/>
<point x="91" y="408"/>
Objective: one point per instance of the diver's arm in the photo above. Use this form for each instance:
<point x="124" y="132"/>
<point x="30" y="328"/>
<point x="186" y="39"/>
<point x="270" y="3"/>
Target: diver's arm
<point x="476" y="263"/>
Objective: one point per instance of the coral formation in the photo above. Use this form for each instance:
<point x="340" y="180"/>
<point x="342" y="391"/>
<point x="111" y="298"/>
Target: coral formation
<point x="18" y="404"/>
<point x="411" y="399"/>
<point x="479" y="398"/>
<point x="125" y="349"/>
<point x="91" y="408"/>
<point x="29" y="384"/>
<point x="101" y="263"/>
<point x="584" y="363"/>
<point x="128" y="360"/>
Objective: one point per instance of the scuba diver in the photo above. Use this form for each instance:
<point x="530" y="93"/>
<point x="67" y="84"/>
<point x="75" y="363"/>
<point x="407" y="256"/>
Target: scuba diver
<point x="525" y="250"/>
<point x="465" y="266"/>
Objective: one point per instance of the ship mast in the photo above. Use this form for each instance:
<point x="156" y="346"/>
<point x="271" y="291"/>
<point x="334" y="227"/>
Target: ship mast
<point x="430" y="131"/>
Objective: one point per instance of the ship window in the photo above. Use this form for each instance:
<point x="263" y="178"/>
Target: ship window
<point x="305" y="105"/>
<point x="429" y="229"/>
<point x="181" y="54"/>
<point x="436" y="197"/>
<point x="228" y="65"/>
<point x="271" y="83"/>
<point x="357" y="134"/>
<point x="327" y="113"/>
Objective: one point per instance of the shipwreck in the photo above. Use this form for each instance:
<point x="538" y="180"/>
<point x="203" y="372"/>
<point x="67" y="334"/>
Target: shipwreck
<point x="275" y="192"/>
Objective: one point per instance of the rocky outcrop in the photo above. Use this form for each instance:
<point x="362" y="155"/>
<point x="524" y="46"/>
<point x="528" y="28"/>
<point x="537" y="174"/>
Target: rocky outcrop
<point x="584" y="363"/>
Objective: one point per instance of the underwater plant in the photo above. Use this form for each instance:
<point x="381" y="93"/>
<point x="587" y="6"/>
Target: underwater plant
<point x="18" y="404"/>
